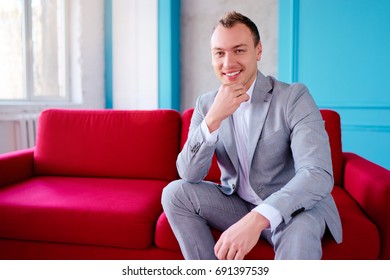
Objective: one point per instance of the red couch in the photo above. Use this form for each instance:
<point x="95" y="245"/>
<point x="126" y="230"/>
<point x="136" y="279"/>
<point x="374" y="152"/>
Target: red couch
<point x="91" y="189"/>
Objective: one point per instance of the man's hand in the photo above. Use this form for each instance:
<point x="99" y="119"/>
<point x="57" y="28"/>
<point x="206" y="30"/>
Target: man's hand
<point x="241" y="237"/>
<point x="226" y="102"/>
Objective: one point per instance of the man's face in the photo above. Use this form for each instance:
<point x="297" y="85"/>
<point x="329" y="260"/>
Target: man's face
<point x="234" y="56"/>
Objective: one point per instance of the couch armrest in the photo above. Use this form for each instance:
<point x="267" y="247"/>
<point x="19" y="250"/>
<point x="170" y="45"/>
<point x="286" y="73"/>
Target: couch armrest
<point x="369" y="185"/>
<point x="16" y="166"/>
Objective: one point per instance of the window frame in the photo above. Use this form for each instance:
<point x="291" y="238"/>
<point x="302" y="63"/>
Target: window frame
<point x="29" y="96"/>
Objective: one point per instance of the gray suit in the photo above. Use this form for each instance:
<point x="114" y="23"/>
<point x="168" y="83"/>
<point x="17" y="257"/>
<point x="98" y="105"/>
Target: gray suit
<point x="289" y="156"/>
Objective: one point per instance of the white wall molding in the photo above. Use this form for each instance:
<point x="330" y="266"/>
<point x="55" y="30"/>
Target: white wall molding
<point x="135" y="50"/>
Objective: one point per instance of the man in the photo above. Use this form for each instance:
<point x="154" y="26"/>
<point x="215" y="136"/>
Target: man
<point x="274" y="156"/>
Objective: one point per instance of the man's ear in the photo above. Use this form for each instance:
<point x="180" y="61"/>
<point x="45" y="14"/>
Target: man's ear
<point x="259" y="51"/>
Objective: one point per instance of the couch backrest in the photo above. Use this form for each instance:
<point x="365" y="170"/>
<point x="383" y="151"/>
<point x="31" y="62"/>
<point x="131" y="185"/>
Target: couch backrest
<point x="108" y="143"/>
<point x="332" y="126"/>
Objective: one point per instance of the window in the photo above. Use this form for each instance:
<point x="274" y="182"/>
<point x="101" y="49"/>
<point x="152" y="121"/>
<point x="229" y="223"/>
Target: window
<point x="33" y="50"/>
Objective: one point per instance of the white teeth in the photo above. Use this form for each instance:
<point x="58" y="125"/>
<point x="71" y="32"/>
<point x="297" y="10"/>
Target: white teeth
<point x="232" y="74"/>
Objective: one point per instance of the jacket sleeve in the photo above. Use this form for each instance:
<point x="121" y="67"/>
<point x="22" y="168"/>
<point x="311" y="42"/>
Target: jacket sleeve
<point x="194" y="161"/>
<point x="313" y="180"/>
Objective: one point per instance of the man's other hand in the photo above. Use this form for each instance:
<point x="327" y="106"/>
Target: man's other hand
<point x="241" y="237"/>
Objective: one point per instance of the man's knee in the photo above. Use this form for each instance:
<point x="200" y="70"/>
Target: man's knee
<point x="301" y="238"/>
<point x="170" y="192"/>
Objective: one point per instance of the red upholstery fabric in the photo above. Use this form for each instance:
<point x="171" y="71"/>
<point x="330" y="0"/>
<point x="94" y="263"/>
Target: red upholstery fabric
<point x="16" y="166"/>
<point x="360" y="235"/>
<point x="333" y="128"/>
<point x="32" y="250"/>
<point x="369" y="185"/>
<point x="185" y="126"/>
<point x="164" y="237"/>
<point x="96" y="211"/>
<point x="127" y="144"/>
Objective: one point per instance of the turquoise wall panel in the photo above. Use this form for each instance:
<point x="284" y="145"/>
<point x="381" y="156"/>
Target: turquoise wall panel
<point x="340" y="50"/>
<point x="108" y="78"/>
<point x="169" y="54"/>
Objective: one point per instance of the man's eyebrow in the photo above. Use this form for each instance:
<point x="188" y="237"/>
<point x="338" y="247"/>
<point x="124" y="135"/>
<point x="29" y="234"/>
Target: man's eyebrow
<point x="239" y="46"/>
<point x="234" y="47"/>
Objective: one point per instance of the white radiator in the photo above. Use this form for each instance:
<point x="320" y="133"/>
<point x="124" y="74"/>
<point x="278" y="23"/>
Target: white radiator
<point x="25" y="131"/>
<point x="17" y="130"/>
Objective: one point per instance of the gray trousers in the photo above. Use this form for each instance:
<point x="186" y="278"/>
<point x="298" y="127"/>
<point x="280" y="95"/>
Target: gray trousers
<point x="192" y="209"/>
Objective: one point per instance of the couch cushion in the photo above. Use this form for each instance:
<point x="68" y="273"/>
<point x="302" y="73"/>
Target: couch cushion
<point x="108" y="143"/>
<point x="96" y="211"/>
<point x="361" y="237"/>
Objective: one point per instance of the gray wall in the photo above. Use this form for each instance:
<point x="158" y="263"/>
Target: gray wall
<point x="197" y="20"/>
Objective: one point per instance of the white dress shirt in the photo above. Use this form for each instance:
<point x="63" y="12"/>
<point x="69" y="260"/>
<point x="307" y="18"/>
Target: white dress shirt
<point x="241" y="120"/>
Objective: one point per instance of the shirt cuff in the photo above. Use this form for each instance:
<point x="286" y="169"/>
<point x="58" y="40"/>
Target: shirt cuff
<point x="273" y="215"/>
<point x="210" y="138"/>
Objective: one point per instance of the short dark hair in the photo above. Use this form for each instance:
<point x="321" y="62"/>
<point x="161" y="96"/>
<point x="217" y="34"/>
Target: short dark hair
<point x="232" y="18"/>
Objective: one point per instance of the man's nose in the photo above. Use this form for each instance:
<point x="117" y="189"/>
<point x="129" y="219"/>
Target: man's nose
<point x="229" y="60"/>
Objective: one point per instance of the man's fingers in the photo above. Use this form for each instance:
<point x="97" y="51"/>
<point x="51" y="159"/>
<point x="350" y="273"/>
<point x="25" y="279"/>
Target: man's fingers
<point x="231" y="253"/>
<point x="240" y="92"/>
<point x="222" y="252"/>
<point x="235" y="88"/>
<point x="217" y="247"/>
<point x="239" y="256"/>
<point x="243" y="97"/>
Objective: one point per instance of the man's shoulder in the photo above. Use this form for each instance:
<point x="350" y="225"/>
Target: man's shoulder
<point x="286" y="87"/>
<point x="287" y="92"/>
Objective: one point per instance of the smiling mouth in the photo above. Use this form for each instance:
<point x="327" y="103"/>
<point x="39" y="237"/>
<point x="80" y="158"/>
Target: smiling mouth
<point x="233" y="74"/>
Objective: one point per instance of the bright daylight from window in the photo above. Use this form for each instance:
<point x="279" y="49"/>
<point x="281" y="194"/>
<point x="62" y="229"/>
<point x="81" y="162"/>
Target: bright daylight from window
<point x="33" y="50"/>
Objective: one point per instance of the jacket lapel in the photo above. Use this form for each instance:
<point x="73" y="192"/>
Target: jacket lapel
<point x="261" y="100"/>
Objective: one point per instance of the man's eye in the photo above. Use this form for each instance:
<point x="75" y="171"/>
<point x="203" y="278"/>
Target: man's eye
<point x="239" y="51"/>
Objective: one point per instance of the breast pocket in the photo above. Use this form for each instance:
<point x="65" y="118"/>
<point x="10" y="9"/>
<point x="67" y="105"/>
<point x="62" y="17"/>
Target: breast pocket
<point x="269" y="134"/>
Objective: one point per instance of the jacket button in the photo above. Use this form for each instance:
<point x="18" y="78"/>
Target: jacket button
<point x="260" y="190"/>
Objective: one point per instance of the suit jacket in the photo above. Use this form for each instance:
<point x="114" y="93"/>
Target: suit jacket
<point x="289" y="152"/>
